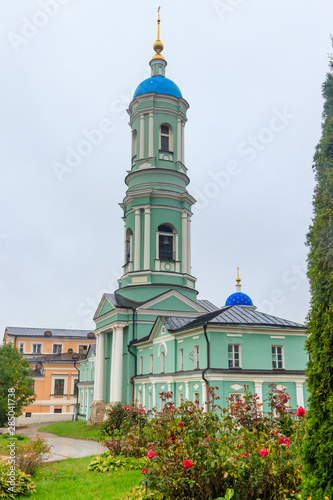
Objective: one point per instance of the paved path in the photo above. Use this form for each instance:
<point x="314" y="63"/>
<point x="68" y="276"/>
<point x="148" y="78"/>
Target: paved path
<point x="63" y="447"/>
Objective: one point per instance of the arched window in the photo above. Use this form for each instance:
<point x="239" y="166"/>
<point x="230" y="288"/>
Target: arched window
<point x="166" y="242"/>
<point x="128" y="246"/>
<point x="166" y="137"/>
<point x="134" y="142"/>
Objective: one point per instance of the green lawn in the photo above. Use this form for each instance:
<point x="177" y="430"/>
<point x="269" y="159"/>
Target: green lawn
<point x="73" y="429"/>
<point x="4" y="450"/>
<point x="70" y="480"/>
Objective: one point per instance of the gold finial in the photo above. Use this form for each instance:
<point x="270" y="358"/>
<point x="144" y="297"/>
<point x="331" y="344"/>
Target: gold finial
<point x="238" y="280"/>
<point x="158" y="45"/>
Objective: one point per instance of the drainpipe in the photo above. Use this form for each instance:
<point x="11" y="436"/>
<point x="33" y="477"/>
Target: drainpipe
<point x="208" y="361"/>
<point x="135" y="357"/>
<point x="76" y="409"/>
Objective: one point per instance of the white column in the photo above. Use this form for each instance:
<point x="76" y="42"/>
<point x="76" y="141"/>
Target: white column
<point x="143" y="395"/>
<point x="151" y="135"/>
<point x="189" y="268"/>
<point x="183" y="144"/>
<point x="204" y="394"/>
<point x="154" y="395"/>
<point x="187" y="390"/>
<point x="179" y="140"/>
<point x="258" y="389"/>
<point x="184" y="243"/>
<point x="137" y="239"/>
<point x="113" y="366"/>
<point x="118" y="372"/>
<point x="142" y="136"/>
<point x="169" y="386"/>
<point x="100" y="362"/>
<point x="299" y="393"/>
<point x="146" y="263"/>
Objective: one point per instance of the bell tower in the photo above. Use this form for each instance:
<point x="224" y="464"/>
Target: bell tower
<point x="157" y="206"/>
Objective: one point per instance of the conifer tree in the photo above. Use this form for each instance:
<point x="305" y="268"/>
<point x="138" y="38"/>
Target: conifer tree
<point x="318" y="443"/>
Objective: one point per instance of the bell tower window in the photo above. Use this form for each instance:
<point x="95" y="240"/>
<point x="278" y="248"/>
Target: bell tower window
<point x="165" y="138"/>
<point x="166" y="242"/>
<point x="134" y="142"/>
<point x="128" y="246"/>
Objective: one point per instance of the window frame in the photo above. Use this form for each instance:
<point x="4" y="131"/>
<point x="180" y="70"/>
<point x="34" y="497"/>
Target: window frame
<point x="238" y="395"/>
<point x="151" y="363"/>
<point x="162" y="361"/>
<point x="169" y="232"/>
<point x="56" y="391"/>
<point x="165" y="138"/>
<point x="233" y="357"/>
<point x="36" y="344"/>
<point x="21" y="344"/>
<point x="83" y="345"/>
<point x="196" y="356"/>
<point x="196" y="400"/>
<point x="276" y="354"/>
<point x="181" y="360"/>
<point x="57" y="345"/>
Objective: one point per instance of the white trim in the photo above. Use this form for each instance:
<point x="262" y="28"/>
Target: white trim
<point x="142" y="136"/>
<point x="277" y="337"/>
<point x="137" y="232"/>
<point x="146" y="256"/>
<point x="151" y="135"/>
<point x="234" y="335"/>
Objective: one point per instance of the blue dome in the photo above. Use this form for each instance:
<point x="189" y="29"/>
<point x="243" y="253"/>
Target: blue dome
<point x="239" y="299"/>
<point x="158" y="84"/>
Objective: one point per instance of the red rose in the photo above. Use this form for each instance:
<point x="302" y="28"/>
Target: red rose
<point x="300" y="412"/>
<point x="143" y="410"/>
<point x="245" y="455"/>
<point x="237" y="458"/>
<point x="180" y="424"/>
<point x="151" y="454"/>
<point x="144" y="471"/>
<point x="187" y="464"/>
<point x="263" y="452"/>
<point x="284" y="440"/>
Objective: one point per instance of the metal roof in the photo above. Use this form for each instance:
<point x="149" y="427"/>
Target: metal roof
<point x="231" y="315"/>
<point x="208" y="305"/>
<point x="39" y="332"/>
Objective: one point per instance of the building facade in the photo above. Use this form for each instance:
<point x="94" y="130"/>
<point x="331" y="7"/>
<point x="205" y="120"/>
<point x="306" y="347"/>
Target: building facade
<point x="54" y="356"/>
<point x="86" y="384"/>
<point x="153" y="334"/>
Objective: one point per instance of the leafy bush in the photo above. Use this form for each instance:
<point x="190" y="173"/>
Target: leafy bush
<point x="123" y="430"/>
<point x="14" y="482"/>
<point x="206" y="455"/>
<point x="107" y="462"/>
<point x="30" y="456"/>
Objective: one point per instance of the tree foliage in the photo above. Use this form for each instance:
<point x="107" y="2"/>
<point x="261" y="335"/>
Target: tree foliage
<point x="14" y="373"/>
<point x="318" y="443"/>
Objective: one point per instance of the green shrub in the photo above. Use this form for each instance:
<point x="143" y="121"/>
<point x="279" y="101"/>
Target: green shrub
<point x="107" y="462"/>
<point x="30" y="456"/>
<point x="14" y="482"/>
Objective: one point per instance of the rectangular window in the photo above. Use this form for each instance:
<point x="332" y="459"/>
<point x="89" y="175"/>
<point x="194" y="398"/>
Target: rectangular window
<point x="151" y="363"/>
<point x="59" y="384"/>
<point x="21" y="347"/>
<point x="180" y="398"/>
<point x="196" y="357"/>
<point x="36" y="348"/>
<point x="141" y="365"/>
<point x="150" y="401"/>
<point x="140" y="398"/>
<point x="164" y="143"/>
<point x="181" y="359"/>
<point x="83" y="349"/>
<point x="235" y="396"/>
<point x="57" y="410"/>
<point x="277" y="356"/>
<point x="196" y="399"/>
<point x="57" y="348"/>
<point x="162" y="362"/>
<point x="28" y="415"/>
<point x="234" y="356"/>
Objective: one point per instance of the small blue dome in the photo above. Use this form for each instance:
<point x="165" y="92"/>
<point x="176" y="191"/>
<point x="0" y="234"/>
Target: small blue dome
<point x="239" y="299"/>
<point x="158" y="84"/>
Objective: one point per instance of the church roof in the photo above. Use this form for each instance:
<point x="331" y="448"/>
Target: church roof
<point x="230" y="315"/>
<point x="158" y="84"/>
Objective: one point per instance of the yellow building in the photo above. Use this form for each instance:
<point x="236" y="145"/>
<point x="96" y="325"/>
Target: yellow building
<point x="53" y="355"/>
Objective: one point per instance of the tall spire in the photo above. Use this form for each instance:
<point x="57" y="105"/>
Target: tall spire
<point x="158" y="45"/>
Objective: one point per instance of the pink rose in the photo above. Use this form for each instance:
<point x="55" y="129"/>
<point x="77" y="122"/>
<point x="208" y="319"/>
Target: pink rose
<point x="187" y="464"/>
<point x="151" y="454"/>
<point x="300" y="412"/>
<point x="284" y="440"/>
<point x="245" y="455"/>
<point x="263" y="452"/>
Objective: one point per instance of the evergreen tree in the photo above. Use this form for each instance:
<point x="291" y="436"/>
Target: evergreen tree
<point x="318" y="443"/>
<point x="14" y="373"/>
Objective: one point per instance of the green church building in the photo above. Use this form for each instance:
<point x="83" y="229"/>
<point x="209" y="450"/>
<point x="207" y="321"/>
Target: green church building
<point x="153" y="333"/>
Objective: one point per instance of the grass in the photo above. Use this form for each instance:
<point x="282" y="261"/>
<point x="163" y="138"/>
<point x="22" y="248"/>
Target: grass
<point x="4" y="450"/>
<point x="73" y="429"/>
<point x="70" y="480"/>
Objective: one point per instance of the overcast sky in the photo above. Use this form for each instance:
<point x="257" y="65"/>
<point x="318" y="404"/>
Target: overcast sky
<point x="252" y="72"/>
